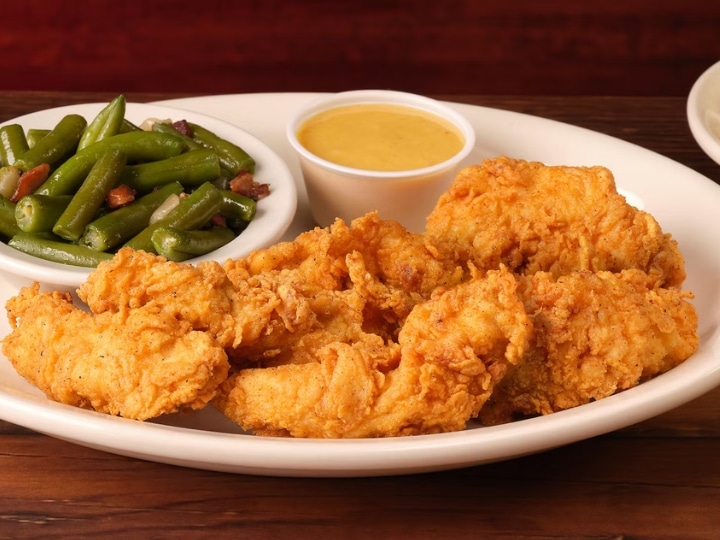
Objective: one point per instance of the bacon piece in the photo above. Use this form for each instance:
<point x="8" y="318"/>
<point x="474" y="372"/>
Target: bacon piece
<point x="244" y="184"/>
<point x="30" y="180"/>
<point x="183" y="127"/>
<point x="120" y="196"/>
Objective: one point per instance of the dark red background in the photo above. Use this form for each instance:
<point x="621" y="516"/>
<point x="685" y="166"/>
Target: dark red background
<point x="524" y="47"/>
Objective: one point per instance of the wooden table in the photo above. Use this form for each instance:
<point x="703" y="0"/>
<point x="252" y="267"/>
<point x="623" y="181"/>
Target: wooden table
<point x="658" y="479"/>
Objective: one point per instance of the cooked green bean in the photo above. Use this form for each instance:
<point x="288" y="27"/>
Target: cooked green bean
<point x="193" y="212"/>
<point x="127" y="126"/>
<point x="13" y="143"/>
<point x="38" y="213"/>
<point x="237" y="206"/>
<point x="164" y="127"/>
<point x="191" y="169"/>
<point x="57" y="251"/>
<point x="120" y="225"/>
<point x="179" y="245"/>
<point x="232" y="157"/>
<point x="107" y="122"/>
<point x="56" y="145"/>
<point x="34" y="135"/>
<point x="138" y="146"/>
<point x="71" y="219"/>
<point x="8" y="225"/>
<point x="84" y="205"/>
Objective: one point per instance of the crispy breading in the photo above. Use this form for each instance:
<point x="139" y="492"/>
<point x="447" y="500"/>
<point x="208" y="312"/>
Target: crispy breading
<point x="595" y="334"/>
<point x="136" y="364"/>
<point x="367" y="274"/>
<point x="200" y="295"/>
<point x="285" y="291"/>
<point x="534" y="289"/>
<point x="533" y="217"/>
<point x="451" y="352"/>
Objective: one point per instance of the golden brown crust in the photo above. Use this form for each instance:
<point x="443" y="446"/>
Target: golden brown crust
<point x="533" y="217"/>
<point x="534" y="289"/>
<point x="135" y="364"/>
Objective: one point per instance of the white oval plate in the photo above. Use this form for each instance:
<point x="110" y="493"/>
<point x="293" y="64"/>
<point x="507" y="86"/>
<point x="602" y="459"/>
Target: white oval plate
<point x="685" y="202"/>
<point x="273" y="217"/>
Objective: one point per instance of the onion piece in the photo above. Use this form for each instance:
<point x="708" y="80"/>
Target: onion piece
<point x="9" y="177"/>
<point x="148" y="123"/>
<point x="165" y="207"/>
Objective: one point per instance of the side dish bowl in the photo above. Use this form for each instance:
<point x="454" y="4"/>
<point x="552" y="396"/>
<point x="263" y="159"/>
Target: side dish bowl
<point x="406" y="195"/>
<point x="703" y="111"/>
<point x="274" y="212"/>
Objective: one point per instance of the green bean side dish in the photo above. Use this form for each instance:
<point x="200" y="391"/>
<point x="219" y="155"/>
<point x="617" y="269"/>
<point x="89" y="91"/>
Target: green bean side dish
<point x="80" y="191"/>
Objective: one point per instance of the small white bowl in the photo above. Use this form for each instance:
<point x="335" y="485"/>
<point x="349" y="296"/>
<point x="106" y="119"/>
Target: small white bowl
<point x="274" y="213"/>
<point x="703" y="111"/>
<point x="346" y="192"/>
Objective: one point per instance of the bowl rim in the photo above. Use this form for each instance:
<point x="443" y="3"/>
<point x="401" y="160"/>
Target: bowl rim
<point x="392" y="97"/>
<point x="697" y="110"/>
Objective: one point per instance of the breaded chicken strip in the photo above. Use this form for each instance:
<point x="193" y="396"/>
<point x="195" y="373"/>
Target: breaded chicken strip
<point x="136" y="364"/>
<point x="452" y="351"/>
<point x="328" y="282"/>
<point x="371" y="269"/>
<point x="393" y="256"/>
<point x="200" y="295"/>
<point x="594" y="335"/>
<point x="533" y="217"/>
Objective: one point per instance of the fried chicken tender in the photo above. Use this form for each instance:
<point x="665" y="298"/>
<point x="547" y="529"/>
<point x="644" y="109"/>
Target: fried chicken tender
<point x="330" y="283"/>
<point x="533" y="217"/>
<point x="136" y="364"/>
<point x="595" y="334"/>
<point x="255" y="306"/>
<point x="452" y="351"/>
<point x="200" y="295"/>
<point x="534" y="289"/>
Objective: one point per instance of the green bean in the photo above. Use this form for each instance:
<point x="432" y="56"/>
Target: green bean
<point x="57" y="251"/>
<point x="13" y="143"/>
<point x="222" y="181"/>
<point x="107" y="122"/>
<point x="120" y="225"/>
<point x="237" y="206"/>
<point x="8" y="225"/>
<point x="38" y="213"/>
<point x="98" y="156"/>
<point x="178" y="245"/>
<point x="138" y="146"/>
<point x="127" y="126"/>
<point x="56" y="145"/>
<point x="164" y="127"/>
<point x="192" y="212"/>
<point x="34" y="135"/>
<point x="232" y="157"/>
<point x="190" y="169"/>
<point x="104" y="176"/>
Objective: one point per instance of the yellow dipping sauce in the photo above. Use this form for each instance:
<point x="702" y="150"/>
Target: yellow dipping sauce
<point x="380" y="137"/>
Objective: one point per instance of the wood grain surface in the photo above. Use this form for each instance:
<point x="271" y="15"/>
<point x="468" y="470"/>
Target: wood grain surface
<point x="655" y="480"/>
<point x="521" y="47"/>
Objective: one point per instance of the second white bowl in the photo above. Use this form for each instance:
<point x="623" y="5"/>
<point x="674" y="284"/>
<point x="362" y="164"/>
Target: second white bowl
<point x="703" y="111"/>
